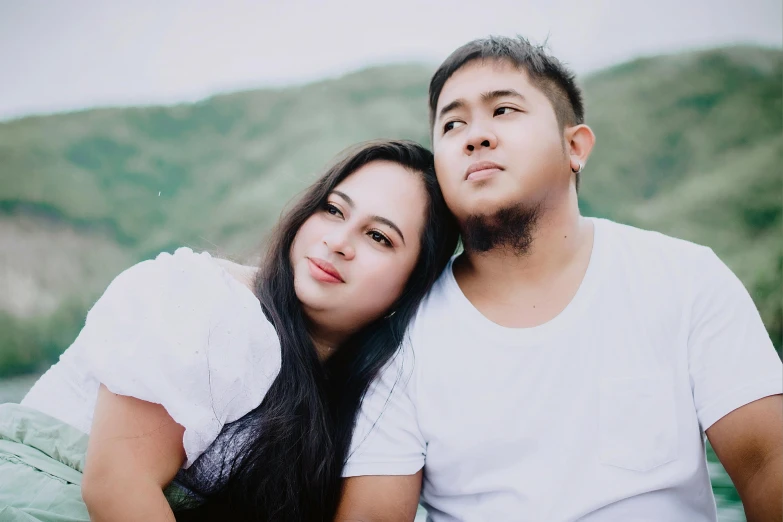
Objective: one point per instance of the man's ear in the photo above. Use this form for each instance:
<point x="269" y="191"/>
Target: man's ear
<point x="579" y="141"/>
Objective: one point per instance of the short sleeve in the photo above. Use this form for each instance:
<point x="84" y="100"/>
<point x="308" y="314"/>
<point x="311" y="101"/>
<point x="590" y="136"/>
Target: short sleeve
<point x="731" y="358"/>
<point x="181" y="332"/>
<point x="387" y="439"/>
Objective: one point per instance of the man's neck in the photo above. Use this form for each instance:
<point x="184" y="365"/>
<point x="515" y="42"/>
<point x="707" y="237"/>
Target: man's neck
<point x="500" y="282"/>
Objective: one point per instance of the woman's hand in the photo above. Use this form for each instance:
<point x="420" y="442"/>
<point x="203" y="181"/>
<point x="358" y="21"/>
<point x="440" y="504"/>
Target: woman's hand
<point x="134" y="451"/>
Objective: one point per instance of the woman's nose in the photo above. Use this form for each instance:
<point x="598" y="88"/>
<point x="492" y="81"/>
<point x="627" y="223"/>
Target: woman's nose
<point x="339" y="242"/>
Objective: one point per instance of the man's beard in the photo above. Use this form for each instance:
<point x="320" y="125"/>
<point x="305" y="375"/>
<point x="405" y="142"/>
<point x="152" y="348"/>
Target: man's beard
<point x="509" y="228"/>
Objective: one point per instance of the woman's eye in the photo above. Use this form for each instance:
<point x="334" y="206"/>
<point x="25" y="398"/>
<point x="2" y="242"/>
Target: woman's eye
<point x="331" y="209"/>
<point x="451" y="125"/>
<point x="379" y="238"/>
<point x="504" y="110"/>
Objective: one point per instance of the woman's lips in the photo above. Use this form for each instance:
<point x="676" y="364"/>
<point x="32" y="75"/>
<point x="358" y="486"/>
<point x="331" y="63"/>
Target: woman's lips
<point x="324" y="271"/>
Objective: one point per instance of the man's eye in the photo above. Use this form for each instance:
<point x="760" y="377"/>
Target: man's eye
<point x="451" y="125"/>
<point x="504" y="110"/>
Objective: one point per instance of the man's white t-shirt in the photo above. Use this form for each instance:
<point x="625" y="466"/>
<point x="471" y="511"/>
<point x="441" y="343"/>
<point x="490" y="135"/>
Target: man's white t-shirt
<point x="598" y="414"/>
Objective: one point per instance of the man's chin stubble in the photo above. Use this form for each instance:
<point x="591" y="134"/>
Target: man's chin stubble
<point x="510" y="229"/>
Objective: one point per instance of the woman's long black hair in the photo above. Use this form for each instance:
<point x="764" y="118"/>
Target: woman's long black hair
<point x="283" y="461"/>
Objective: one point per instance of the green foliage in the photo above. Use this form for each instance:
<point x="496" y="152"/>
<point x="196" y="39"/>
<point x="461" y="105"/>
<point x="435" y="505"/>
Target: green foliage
<point x="32" y="344"/>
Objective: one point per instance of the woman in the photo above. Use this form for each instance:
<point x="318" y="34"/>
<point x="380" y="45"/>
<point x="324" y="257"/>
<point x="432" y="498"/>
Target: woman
<point x="238" y="403"/>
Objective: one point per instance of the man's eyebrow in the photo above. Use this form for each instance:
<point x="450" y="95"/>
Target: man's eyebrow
<point x="456" y="104"/>
<point x="485" y="97"/>
<point x="379" y="219"/>
<point x="500" y="93"/>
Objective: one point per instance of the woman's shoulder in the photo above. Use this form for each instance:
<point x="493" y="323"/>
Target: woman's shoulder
<point x="183" y="331"/>
<point x="244" y="274"/>
<point x="178" y="303"/>
<point x="185" y="280"/>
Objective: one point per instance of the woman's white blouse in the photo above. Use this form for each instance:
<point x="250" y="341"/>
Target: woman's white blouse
<point x="178" y="331"/>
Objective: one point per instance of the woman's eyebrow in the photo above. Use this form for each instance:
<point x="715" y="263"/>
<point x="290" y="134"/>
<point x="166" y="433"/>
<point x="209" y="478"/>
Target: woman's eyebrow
<point x="390" y="224"/>
<point x="345" y="197"/>
<point x="379" y="219"/>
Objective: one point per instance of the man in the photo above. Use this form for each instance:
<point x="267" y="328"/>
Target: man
<point x="563" y="367"/>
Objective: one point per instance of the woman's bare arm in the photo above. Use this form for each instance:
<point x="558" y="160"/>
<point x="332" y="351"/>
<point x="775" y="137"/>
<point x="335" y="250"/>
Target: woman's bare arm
<point x="134" y="451"/>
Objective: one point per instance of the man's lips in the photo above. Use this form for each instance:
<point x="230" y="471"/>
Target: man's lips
<point x="481" y="170"/>
<point x="324" y="271"/>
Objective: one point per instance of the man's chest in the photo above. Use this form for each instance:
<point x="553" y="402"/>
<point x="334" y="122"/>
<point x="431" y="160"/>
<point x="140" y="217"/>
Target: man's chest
<point x="589" y="403"/>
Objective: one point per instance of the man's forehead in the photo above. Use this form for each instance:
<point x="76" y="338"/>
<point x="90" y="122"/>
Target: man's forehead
<point x="477" y="77"/>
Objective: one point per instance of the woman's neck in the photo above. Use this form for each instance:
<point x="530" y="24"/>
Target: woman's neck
<point x="326" y="341"/>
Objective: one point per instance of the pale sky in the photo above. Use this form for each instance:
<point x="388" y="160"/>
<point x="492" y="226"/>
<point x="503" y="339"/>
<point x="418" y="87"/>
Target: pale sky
<point x="58" y="56"/>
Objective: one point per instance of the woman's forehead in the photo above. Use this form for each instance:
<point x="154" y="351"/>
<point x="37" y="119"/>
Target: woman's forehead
<point x="387" y="189"/>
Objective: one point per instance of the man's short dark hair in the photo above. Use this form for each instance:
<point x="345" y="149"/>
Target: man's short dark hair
<point x="544" y="71"/>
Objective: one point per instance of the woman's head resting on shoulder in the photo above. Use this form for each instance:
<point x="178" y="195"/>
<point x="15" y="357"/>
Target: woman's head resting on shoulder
<point x="346" y="268"/>
<point x="353" y="256"/>
<point x="368" y="237"/>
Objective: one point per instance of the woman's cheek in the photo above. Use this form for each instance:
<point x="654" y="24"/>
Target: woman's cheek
<point x="393" y="279"/>
<point x="372" y="278"/>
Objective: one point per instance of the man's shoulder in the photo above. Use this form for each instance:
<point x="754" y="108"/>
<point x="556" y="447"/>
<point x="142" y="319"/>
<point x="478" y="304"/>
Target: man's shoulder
<point x="659" y="264"/>
<point x="649" y="243"/>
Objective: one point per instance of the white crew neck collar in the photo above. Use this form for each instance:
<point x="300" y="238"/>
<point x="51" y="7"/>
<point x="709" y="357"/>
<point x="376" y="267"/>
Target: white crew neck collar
<point x="497" y="333"/>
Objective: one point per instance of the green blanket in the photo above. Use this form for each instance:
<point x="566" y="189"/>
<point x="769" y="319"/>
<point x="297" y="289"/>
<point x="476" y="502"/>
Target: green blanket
<point x="41" y="466"/>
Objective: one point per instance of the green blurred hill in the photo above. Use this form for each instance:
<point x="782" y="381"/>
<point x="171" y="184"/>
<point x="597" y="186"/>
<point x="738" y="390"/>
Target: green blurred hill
<point x="689" y="144"/>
